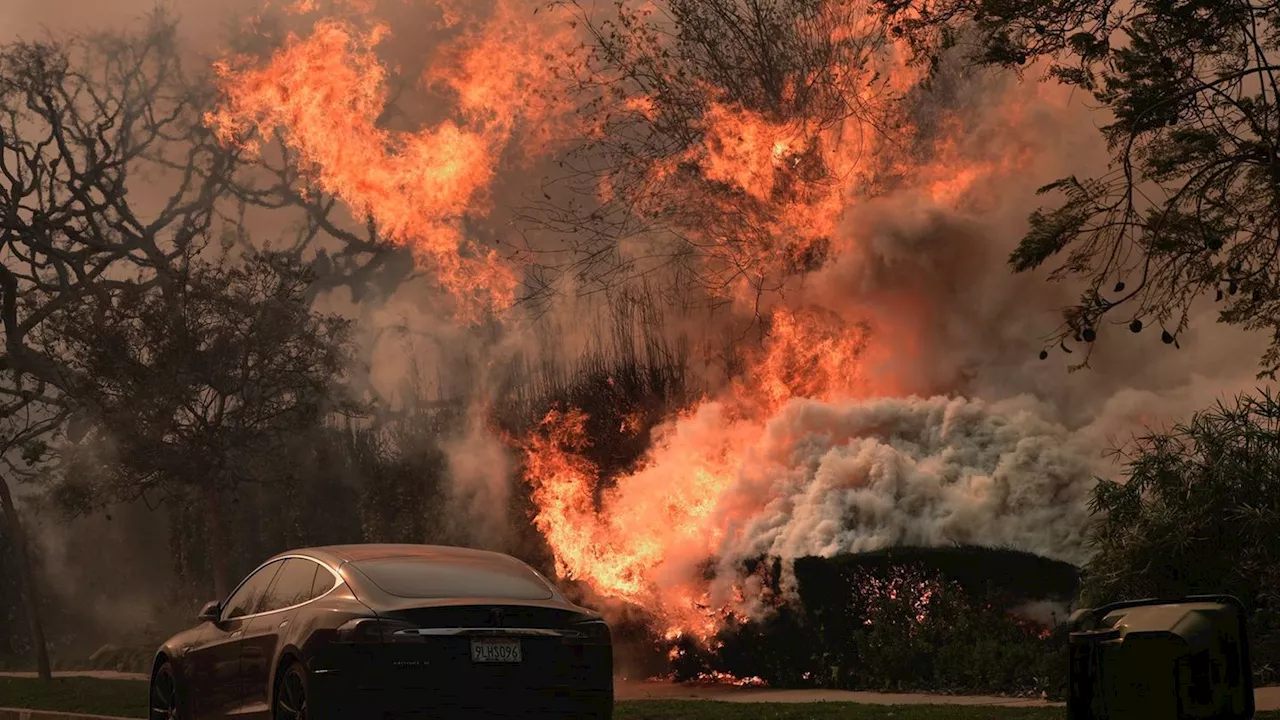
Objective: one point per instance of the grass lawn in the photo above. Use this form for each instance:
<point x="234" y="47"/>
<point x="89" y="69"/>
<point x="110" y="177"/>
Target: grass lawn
<point x="123" y="698"/>
<point x="128" y="698"/>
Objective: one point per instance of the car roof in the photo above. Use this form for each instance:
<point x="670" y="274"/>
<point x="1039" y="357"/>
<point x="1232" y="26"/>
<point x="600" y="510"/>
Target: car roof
<point x="335" y="556"/>
<point x="339" y="554"/>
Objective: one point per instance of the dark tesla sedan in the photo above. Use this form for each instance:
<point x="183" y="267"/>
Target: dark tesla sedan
<point x="362" y="631"/>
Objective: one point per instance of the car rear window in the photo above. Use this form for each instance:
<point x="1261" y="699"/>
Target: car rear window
<point x="448" y="578"/>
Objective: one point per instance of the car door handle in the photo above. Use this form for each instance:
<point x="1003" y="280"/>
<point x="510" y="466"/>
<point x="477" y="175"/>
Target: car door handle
<point x="283" y="623"/>
<point x="237" y="633"/>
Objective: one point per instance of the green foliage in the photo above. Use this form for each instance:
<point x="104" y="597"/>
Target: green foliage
<point x="1198" y="512"/>
<point x="402" y="485"/>
<point x="1191" y="203"/>
<point x="211" y="375"/>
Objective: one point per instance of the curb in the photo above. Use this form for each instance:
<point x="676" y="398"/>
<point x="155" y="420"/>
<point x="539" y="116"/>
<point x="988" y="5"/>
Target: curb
<point x="96" y="674"/>
<point x="23" y="714"/>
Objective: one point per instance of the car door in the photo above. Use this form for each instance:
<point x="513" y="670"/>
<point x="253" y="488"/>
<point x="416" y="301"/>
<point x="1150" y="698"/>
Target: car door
<point x="217" y="688"/>
<point x="262" y="637"/>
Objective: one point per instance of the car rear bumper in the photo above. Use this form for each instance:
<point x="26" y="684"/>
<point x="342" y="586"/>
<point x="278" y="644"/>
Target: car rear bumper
<point x="579" y="688"/>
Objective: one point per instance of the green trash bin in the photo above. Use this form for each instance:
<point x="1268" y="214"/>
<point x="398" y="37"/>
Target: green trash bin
<point x="1161" y="660"/>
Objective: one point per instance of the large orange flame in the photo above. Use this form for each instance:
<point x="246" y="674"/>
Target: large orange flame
<point x="648" y="537"/>
<point x="766" y="194"/>
<point x="324" y="94"/>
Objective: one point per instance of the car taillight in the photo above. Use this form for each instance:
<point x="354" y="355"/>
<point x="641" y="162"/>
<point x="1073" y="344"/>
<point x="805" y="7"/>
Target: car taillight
<point x="594" y="631"/>
<point x="377" y="630"/>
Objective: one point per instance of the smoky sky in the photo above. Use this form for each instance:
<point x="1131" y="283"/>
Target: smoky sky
<point x="201" y="19"/>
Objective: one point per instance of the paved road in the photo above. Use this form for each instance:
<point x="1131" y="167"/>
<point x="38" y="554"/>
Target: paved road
<point x="1266" y="698"/>
<point x="631" y="690"/>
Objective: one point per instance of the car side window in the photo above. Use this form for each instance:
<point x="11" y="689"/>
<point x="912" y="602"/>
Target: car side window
<point x="292" y="585"/>
<point x="249" y="596"/>
<point x="323" y="583"/>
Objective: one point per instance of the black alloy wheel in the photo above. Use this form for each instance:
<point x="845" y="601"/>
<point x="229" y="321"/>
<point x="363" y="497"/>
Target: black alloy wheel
<point x="291" y="698"/>
<point x="164" y="694"/>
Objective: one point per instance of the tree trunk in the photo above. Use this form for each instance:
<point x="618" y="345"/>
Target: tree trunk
<point x="217" y="540"/>
<point x="30" y="592"/>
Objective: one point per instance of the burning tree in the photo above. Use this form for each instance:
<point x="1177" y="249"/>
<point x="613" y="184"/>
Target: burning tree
<point x="1191" y="204"/>
<point x="720" y="138"/>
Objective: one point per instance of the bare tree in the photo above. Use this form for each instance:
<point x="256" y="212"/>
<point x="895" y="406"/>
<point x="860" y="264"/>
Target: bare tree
<point x="26" y="421"/>
<point x="111" y="187"/>
<point x="76" y="120"/>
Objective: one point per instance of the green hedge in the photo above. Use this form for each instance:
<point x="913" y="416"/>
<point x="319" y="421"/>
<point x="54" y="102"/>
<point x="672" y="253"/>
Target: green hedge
<point x="906" y="619"/>
<point x="1013" y="573"/>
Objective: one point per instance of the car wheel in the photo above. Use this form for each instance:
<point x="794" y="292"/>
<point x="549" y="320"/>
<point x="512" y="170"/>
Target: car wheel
<point x="291" y="695"/>
<point x="166" y="703"/>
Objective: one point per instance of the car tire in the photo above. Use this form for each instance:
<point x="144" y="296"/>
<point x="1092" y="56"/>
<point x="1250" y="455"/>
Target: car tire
<point x="165" y="699"/>
<point x="292" y="697"/>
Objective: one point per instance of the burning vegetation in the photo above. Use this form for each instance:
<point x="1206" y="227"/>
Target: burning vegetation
<point x="683" y="300"/>
<point x="725" y="148"/>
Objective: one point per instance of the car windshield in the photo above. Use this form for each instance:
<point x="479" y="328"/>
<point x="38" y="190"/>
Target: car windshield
<point x="448" y="578"/>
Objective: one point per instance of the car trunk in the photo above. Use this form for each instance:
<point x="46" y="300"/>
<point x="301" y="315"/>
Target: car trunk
<point x="456" y="649"/>
<point x="521" y="658"/>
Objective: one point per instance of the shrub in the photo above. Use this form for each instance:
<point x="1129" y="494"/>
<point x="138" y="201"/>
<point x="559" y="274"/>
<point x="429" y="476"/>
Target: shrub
<point x="907" y="619"/>
<point x="1198" y="513"/>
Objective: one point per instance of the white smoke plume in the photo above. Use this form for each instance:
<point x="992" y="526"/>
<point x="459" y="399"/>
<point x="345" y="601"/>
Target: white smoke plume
<point x="832" y="478"/>
<point x="479" y="465"/>
<point x="826" y="478"/>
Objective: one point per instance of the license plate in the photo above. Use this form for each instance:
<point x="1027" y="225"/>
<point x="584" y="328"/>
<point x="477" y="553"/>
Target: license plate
<point x="495" y="651"/>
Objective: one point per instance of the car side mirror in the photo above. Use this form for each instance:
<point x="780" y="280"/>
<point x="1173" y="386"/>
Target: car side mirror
<point x="211" y="611"/>
<point x="1149" y="658"/>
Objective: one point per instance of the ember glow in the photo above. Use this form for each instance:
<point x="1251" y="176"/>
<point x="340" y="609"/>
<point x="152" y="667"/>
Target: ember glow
<point x="718" y="678"/>
<point x="805" y="451"/>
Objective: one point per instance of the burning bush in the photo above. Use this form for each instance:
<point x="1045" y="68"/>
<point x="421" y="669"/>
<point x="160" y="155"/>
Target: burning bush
<point x="941" y="619"/>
